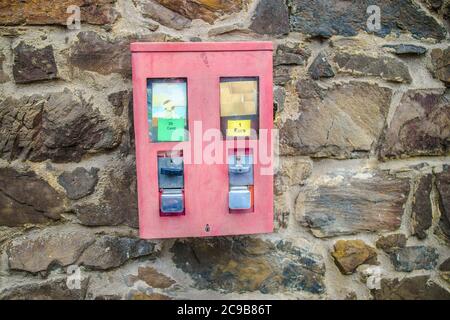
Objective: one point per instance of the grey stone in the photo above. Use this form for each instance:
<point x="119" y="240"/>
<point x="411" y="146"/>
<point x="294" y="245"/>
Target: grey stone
<point x="249" y="264"/>
<point x="342" y="17"/>
<point x="32" y="64"/>
<point x="110" y="251"/>
<point x="384" y="67"/>
<point x="422" y="215"/>
<point x="406" y="49"/>
<point x="161" y="14"/>
<point x="411" y="288"/>
<point x="343" y="202"/>
<point x="60" y="126"/>
<point x="40" y="250"/>
<point x="343" y="121"/>
<point x="412" y="258"/>
<point x="26" y="198"/>
<point x="51" y="289"/>
<point x="420" y="125"/>
<point x="79" y="183"/>
<point x="321" y="68"/>
<point x="271" y="17"/>
<point x="94" y="53"/>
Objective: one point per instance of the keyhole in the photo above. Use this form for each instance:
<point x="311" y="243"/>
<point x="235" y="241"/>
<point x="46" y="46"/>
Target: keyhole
<point x="207" y="228"/>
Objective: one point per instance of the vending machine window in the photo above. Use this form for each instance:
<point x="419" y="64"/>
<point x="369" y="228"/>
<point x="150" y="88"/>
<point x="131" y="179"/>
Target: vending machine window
<point x="167" y="109"/>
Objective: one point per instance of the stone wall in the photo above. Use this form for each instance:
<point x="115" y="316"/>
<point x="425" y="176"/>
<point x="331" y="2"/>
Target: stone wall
<point x="362" y="195"/>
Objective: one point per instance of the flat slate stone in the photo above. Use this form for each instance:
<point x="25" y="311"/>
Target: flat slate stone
<point x="32" y="64"/>
<point x="326" y="18"/>
<point x="343" y="121"/>
<point x="420" y="125"/>
<point x="406" y="49"/>
<point x="443" y="187"/>
<point x="408" y="259"/>
<point x="79" y="183"/>
<point x="347" y="202"/>
<point x="248" y="264"/>
<point x="381" y="66"/>
<point x="271" y="17"/>
<point x="410" y="288"/>
<point x="422" y="215"/>
<point x="27" y="198"/>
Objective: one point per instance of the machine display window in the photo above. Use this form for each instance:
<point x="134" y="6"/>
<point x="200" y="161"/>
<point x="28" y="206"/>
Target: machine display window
<point x="167" y="109"/>
<point x="239" y="105"/>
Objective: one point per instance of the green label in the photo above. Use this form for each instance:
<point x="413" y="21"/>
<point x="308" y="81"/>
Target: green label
<point x="170" y="129"/>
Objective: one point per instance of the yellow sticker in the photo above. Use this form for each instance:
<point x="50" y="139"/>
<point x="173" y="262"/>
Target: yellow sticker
<point x="239" y="128"/>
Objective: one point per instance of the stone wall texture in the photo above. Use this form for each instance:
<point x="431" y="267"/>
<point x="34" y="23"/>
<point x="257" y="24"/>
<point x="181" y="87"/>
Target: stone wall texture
<point x="362" y="194"/>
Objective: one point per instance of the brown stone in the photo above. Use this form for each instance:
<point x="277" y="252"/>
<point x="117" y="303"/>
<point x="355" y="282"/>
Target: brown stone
<point x="51" y="289"/>
<point x="93" y="53"/>
<point x="42" y="12"/>
<point x="104" y="54"/>
<point x="153" y="10"/>
<point x="349" y="254"/>
<point x="443" y="187"/>
<point x="154" y="278"/>
<point x="341" y="122"/>
<point x="26" y="198"/>
<point x="385" y="67"/>
<point x="440" y="60"/>
<point x="121" y="100"/>
<point x="111" y="251"/>
<point x="291" y="54"/>
<point x="60" y="126"/>
<point x="420" y="125"/>
<point x="32" y="64"/>
<point x="249" y="264"/>
<point x="118" y="198"/>
<point x="391" y="242"/>
<point x="228" y="29"/>
<point x="207" y="10"/>
<point x="271" y="17"/>
<point x="422" y="215"/>
<point x="39" y="250"/>
<point x="342" y="202"/>
<point x="293" y="171"/>
<point x="412" y="288"/>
